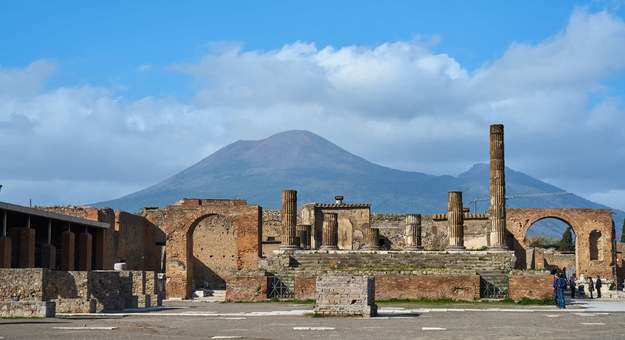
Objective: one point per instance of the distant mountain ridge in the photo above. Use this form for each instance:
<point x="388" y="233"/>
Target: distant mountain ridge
<point x="318" y="169"/>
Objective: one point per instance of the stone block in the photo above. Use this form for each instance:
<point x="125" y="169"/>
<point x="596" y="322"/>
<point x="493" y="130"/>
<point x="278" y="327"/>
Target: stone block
<point x="345" y="296"/>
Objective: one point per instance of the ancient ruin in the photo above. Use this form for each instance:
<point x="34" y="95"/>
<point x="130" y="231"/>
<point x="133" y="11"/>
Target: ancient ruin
<point x="58" y="259"/>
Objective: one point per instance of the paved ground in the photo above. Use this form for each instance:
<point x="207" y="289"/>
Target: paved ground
<point x="583" y="319"/>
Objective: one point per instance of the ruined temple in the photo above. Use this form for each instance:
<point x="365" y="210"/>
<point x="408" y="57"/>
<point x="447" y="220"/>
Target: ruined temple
<point x="255" y="254"/>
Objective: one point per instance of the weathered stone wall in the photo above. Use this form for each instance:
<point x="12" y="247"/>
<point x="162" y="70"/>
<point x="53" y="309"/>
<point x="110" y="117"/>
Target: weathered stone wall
<point x="345" y="295"/>
<point x="136" y="242"/>
<point x="530" y="285"/>
<point x="246" y="287"/>
<point x="456" y="287"/>
<point x="23" y="284"/>
<point x="353" y="220"/>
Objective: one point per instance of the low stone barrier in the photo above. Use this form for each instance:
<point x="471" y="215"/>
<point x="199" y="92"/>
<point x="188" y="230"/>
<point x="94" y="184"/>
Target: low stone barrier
<point x="345" y="296"/>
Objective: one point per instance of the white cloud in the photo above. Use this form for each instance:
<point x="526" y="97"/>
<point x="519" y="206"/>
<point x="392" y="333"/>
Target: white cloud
<point x="399" y="104"/>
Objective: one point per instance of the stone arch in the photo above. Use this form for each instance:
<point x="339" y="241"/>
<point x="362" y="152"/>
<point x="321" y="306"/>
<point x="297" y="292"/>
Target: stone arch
<point x="180" y="222"/>
<point x="212" y="242"/>
<point x="582" y="221"/>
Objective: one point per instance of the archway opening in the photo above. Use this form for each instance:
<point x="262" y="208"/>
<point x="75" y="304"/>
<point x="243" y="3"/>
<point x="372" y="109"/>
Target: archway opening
<point x="550" y="245"/>
<point x="214" y="252"/>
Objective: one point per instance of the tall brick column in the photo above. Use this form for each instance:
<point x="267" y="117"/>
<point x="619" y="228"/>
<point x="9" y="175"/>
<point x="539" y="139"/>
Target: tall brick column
<point x="27" y="246"/>
<point x="289" y="220"/>
<point x="455" y="220"/>
<point x="497" y="208"/>
<point x="68" y="246"/>
<point x="303" y="233"/>
<point x="330" y="232"/>
<point x="372" y="239"/>
<point x="413" y="232"/>
<point x="5" y="244"/>
<point x="85" y="245"/>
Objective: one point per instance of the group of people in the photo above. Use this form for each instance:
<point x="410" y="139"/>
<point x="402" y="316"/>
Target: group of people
<point x="560" y="284"/>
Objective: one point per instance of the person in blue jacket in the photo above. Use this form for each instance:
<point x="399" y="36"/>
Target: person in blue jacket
<point x="559" y="285"/>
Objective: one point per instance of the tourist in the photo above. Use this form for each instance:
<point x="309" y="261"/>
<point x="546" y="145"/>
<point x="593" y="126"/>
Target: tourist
<point x="572" y="283"/>
<point x="559" y="284"/>
<point x="591" y="286"/>
<point x="598" y="287"/>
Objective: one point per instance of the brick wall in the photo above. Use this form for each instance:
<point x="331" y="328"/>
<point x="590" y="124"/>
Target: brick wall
<point x="305" y="287"/>
<point x="531" y="286"/>
<point x="246" y="288"/>
<point x="457" y="287"/>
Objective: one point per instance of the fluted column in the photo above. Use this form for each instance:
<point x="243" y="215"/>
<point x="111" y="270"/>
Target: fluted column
<point x="455" y="220"/>
<point x="413" y="232"/>
<point x="303" y="233"/>
<point x="372" y="238"/>
<point x="497" y="208"/>
<point x="289" y="220"/>
<point x="330" y="232"/>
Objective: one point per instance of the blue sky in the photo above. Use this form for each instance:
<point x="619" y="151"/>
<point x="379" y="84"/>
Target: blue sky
<point x="99" y="99"/>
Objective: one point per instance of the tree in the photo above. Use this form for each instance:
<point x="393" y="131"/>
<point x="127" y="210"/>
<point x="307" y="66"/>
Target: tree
<point x="566" y="242"/>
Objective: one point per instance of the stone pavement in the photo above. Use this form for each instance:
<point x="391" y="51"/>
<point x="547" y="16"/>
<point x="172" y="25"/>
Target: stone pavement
<point x="598" y="318"/>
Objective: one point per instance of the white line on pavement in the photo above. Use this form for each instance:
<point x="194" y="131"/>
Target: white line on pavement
<point x="313" y="328"/>
<point x="552" y="315"/>
<point x="88" y="328"/>
<point x="433" y="329"/>
<point x="593" y="323"/>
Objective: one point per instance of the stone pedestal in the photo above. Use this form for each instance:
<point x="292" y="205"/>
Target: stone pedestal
<point x="68" y="246"/>
<point x="497" y="208"/>
<point x="413" y="232"/>
<point x="48" y="256"/>
<point x="289" y="220"/>
<point x="330" y="232"/>
<point x="372" y="237"/>
<point x="303" y="233"/>
<point x="5" y="252"/>
<point x="27" y="248"/>
<point x="85" y="245"/>
<point x="455" y="221"/>
<point x="345" y="296"/>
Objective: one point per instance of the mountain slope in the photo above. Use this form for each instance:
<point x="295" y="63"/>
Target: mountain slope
<point x="318" y="169"/>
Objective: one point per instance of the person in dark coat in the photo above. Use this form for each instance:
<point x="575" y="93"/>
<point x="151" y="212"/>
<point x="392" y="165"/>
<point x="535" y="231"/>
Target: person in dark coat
<point x="598" y="286"/>
<point x="591" y="286"/>
<point x="572" y="283"/>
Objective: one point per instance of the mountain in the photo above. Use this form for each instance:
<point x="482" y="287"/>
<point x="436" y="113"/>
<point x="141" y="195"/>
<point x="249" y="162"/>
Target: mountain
<point x="318" y="169"/>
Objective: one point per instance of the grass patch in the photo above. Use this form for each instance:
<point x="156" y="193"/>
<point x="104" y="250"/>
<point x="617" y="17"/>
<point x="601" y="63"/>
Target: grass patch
<point x="276" y="300"/>
<point x="298" y="302"/>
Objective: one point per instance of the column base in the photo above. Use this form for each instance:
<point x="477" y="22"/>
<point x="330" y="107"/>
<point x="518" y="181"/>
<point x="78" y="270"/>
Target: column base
<point x="289" y="247"/>
<point x="413" y="248"/>
<point x="329" y="248"/>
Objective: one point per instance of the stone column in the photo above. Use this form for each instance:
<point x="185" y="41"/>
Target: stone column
<point x="372" y="239"/>
<point x="85" y="246"/>
<point x="289" y="220"/>
<point x="413" y="232"/>
<point x="5" y="244"/>
<point x="497" y="208"/>
<point x="68" y="245"/>
<point x="303" y="232"/>
<point x="455" y="219"/>
<point x="330" y="232"/>
<point x="27" y="246"/>
<point x="48" y="256"/>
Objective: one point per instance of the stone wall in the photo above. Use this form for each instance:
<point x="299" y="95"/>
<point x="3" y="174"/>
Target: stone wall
<point x="214" y="252"/>
<point x="345" y="296"/>
<point x="530" y="285"/>
<point x="305" y="287"/>
<point x="22" y="293"/>
<point x="136" y="239"/>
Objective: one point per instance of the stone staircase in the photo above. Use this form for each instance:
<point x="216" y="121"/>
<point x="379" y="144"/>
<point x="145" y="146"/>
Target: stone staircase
<point x="209" y="295"/>
<point x="474" y="261"/>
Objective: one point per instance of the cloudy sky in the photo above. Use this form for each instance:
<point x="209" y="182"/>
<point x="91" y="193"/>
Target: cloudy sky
<point x="100" y="99"/>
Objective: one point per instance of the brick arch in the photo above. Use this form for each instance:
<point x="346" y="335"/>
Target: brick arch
<point x="181" y="220"/>
<point x="582" y="221"/>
